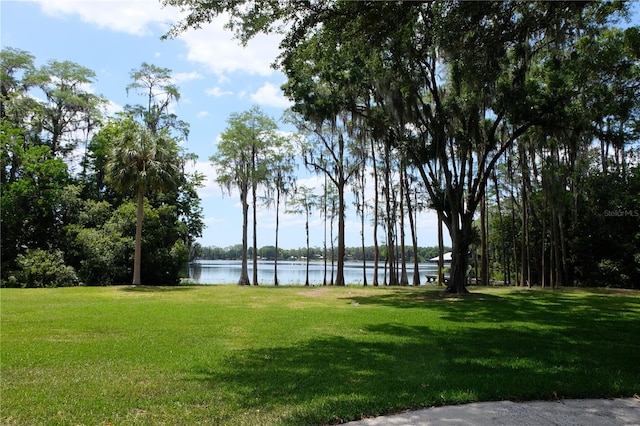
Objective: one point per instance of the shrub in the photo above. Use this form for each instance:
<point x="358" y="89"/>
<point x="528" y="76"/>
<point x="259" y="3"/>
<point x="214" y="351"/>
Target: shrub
<point x="40" y="268"/>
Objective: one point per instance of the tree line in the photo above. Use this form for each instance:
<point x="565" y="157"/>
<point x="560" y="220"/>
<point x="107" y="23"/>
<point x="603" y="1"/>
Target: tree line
<point x="79" y="186"/>
<point x="517" y="122"/>
<point x="315" y="253"/>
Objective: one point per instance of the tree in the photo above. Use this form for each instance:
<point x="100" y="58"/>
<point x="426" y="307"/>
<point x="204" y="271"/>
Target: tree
<point x="458" y="84"/>
<point x="32" y="205"/>
<point x="13" y="62"/>
<point x="330" y="155"/>
<point x="141" y="161"/>
<point x="282" y="164"/>
<point x="69" y="106"/>
<point x="241" y="162"/>
<point x="304" y="201"/>
<point x="155" y="84"/>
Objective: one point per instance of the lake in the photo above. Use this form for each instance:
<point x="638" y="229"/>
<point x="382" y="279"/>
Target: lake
<point x="291" y="272"/>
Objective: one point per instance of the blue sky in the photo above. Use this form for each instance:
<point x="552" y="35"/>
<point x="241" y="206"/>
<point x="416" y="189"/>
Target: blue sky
<point x="216" y="77"/>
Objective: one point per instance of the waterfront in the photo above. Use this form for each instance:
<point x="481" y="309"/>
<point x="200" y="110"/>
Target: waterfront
<point x="293" y="272"/>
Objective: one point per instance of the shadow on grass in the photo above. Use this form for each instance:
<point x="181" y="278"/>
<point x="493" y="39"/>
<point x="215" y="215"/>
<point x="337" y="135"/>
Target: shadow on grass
<point x="560" y="307"/>
<point x="382" y="368"/>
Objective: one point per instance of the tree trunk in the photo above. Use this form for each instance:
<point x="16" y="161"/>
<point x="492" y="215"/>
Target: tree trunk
<point x="404" y="280"/>
<point x="414" y="236"/>
<point x="460" y="243"/>
<point x="390" y="258"/>
<point x="484" y="235"/>
<point x="516" y="266"/>
<point x="362" y="220"/>
<point x="556" y="248"/>
<point x="526" y="244"/>
<point x="563" y="251"/>
<point x="376" y="249"/>
<point x="275" y="263"/>
<point x="440" y="270"/>
<point x="341" y="231"/>
<point x="333" y="250"/>
<point x="137" y="258"/>
<point x="244" y="271"/>
<point x="503" y="242"/>
<point x="324" y="280"/>
<point x="306" y="226"/>
<point x="543" y="265"/>
<point x="255" y="236"/>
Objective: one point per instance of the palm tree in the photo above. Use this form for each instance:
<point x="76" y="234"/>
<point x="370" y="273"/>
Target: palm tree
<point x="141" y="161"/>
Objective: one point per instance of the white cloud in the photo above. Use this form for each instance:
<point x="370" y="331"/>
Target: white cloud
<point x="216" y="92"/>
<point x="210" y="188"/>
<point x="270" y="95"/>
<point x="132" y="17"/>
<point x="181" y="77"/>
<point x="202" y="114"/>
<point x="111" y="108"/>
<point x="211" y="46"/>
<point x="216" y="49"/>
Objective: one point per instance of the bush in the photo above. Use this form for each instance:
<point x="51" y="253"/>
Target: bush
<point x="40" y="268"/>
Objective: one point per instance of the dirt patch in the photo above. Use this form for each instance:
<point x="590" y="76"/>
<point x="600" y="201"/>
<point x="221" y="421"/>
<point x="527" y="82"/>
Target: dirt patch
<point x="314" y="293"/>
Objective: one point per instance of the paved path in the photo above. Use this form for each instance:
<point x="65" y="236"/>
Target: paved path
<point x="574" y="412"/>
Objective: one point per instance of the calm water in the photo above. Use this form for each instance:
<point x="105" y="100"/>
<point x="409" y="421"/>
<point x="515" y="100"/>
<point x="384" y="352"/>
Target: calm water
<point x="290" y="272"/>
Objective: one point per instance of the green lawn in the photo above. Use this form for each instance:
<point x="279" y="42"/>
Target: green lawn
<point x="294" y="355"/>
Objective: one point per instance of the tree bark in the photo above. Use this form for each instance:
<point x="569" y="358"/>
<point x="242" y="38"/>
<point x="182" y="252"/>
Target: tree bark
<point x="137" y="257"/>
<point x="341" y="231"/>
<point x="254" y="195"/>
<point x="404" y="280"/>
<point x="376" y="249"/>
<point x="484" y="260"/>
<point x="460" y="243"/>
<point x="244" y="271"/>
<point x="440" y="270"/>
<point x="306" y="227"/>
<point x="503" y="242"/>
<point x="324" y="280"/>
<point x="390" y="258"/>
<point x="362" y="220"/>
<point x="414" y="237"/>
<point x="275" y="263"/>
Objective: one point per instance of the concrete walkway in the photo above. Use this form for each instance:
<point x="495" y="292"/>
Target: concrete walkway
<point x="583" y="412"/>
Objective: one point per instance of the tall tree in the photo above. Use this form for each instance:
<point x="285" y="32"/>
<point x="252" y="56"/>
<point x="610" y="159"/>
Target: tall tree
<point x="16" y="107"/>
<point x="459" y="82"/>
<point x="241" y="163"/>
<point x="142" y="161"/>
<point x="69" y="106"/>
<point x="331" y="157"/>
<point x="281" y="166"/>
<point x="304" y="201"/>
<point x="156" y="86"/>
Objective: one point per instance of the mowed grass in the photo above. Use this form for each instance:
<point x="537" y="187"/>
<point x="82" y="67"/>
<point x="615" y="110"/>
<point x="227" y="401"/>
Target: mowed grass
<point x="229" y="355"/>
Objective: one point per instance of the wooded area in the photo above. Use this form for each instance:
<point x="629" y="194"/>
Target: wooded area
<point x="78" y="185"/>
<point x="517" y="122"/>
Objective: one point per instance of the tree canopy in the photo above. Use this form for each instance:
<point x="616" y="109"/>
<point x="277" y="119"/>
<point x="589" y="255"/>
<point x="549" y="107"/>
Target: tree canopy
<point x="64" y="226"/>
<point x="454" y="86"/>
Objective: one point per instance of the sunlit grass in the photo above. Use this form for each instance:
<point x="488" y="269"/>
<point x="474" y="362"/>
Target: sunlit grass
<point x="294" y="355"/>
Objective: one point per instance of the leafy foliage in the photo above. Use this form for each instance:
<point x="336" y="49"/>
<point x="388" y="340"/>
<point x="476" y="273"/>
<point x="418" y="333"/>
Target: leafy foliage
<point x="41" y="268"/>
<point x="60" y="228"/>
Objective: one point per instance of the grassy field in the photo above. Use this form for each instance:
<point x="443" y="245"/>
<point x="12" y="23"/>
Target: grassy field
<point x="294" y="355"/>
